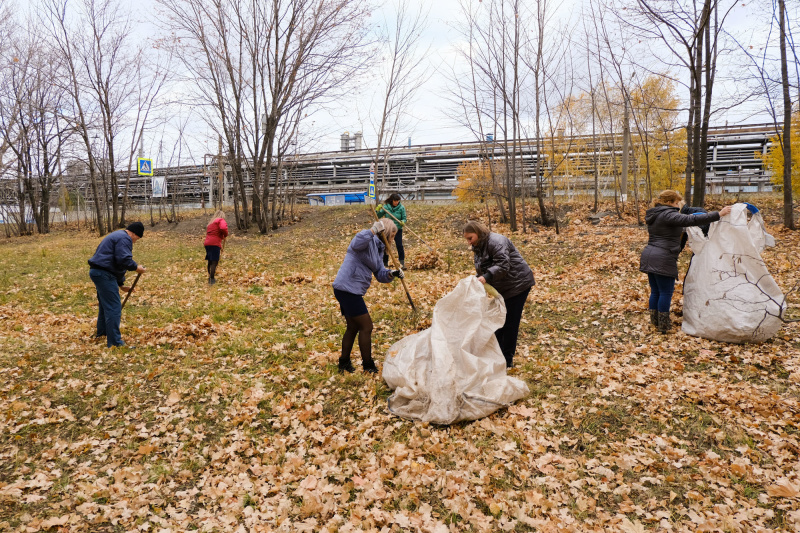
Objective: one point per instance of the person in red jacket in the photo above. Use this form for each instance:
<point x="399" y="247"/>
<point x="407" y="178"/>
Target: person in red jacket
<point x="216" y="233"/>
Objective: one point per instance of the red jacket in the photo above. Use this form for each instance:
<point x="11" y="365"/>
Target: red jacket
<point x="215" y="232"/>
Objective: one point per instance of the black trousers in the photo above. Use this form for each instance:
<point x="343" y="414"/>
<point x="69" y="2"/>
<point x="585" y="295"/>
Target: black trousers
<point x="507" y="335"/>
<point x="398" y="243"/>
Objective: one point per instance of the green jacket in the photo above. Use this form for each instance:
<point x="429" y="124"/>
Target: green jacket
<point x="398" y="212"/>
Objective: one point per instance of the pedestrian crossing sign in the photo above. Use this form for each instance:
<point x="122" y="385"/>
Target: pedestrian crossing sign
<point x="144" y="166"/>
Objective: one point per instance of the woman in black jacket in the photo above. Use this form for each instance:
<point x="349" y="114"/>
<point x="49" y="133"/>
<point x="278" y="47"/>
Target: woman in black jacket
<point x="498" y="263"/>
<point x="659" y="258"/>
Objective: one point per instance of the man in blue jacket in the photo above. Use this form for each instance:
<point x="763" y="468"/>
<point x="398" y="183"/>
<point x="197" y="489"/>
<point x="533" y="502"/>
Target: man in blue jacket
<point x="107" y="267"/>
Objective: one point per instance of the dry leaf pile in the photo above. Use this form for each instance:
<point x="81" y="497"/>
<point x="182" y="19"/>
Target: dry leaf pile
<point x="230" y="415"/>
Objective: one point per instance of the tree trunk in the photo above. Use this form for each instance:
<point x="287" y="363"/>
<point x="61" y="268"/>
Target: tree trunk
<point x="788" y="213"/>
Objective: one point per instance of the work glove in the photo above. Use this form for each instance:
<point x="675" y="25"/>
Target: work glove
<point x="377" y="228"/>
<point x="378" y="207"/>
<point x="398" y="274"/>
<point x="401" y="223"/>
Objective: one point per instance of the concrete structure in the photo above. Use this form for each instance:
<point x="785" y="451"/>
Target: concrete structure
<point x="429" y="172"/>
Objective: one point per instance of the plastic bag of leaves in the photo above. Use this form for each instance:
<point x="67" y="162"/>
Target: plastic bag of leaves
<point x="728" y="294"/>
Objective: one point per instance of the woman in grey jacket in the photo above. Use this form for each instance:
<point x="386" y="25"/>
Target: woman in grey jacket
<point x="362" y="261"/>
<point x="498" y="263"/>
<point x="659" y="259"/>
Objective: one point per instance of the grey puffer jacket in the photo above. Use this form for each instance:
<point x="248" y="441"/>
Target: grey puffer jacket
<point x="665" y="225"/>
<point x="499" y="262"/>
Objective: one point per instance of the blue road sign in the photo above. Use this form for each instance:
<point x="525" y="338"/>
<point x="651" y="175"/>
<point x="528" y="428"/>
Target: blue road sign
<point x="144" y="167"/>
<point x="371" y="191"/>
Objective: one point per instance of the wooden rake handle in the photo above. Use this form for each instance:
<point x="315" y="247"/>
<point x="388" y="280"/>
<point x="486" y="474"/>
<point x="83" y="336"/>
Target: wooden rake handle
<point x="139" y="275"/>
<point x="396" y="263"/>
<point x="414" y="233"/>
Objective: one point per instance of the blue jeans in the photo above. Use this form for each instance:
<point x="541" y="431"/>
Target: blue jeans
<point x="661" y="289"/>
<point x="110" y="308"/>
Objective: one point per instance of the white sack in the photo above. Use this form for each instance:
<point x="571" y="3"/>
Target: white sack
<point x="729" y="295"/>
<point x="454" y="370"/>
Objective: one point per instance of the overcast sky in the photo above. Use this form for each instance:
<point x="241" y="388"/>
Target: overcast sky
<point x="428" y="118"/>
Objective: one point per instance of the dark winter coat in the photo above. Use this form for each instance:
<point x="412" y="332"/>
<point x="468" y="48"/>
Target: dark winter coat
<point x="665" y="226"/>
<point x="502" y="266"/>
<point x="115" y="255"/>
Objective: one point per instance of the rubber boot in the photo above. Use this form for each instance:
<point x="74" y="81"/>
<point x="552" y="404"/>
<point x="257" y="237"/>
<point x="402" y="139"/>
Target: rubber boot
<point x="403" y="264"/>
<point x="654" y="317"/>
<point x="345" y="365"/>
<point x="664" y="322"/>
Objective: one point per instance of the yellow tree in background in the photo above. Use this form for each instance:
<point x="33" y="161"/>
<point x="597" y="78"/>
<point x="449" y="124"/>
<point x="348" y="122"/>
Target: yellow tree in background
<point x="661" y="140"/>
<point x="477" y="182"/>
<point x="773" y="160"/>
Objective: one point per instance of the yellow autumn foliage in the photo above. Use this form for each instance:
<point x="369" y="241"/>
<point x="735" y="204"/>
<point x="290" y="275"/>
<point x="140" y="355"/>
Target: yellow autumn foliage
<point x="773" y="160"/>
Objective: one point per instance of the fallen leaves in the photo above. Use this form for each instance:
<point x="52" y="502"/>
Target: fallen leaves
<point x="784" y="488"/>
<point x="230" y="414"/>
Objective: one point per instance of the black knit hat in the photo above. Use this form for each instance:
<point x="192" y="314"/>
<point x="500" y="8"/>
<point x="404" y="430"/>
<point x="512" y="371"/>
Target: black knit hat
<point x="137" y="228"/>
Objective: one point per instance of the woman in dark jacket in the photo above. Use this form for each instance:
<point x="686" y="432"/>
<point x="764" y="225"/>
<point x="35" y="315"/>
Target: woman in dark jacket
<point x="361" y="263"/>
<point x="659" y="259"/>
<point x="498" y="263"/>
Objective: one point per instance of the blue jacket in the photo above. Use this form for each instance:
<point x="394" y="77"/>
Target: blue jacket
<point x="115" y="254"/>
<point x="364" y="258"/>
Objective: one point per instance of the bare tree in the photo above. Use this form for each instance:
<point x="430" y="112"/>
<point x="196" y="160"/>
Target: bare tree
<point x="786" y="138"/>
<point x="690" y="31"/>
<point x="94" y="39"/>
<point x="253" y="64"/>
<point x="153" y="75"/>
<point x="402" y="76"/>
<point x="497" y="40"/>
<point x="31" y="124"/>
<point x="771" y="73"/>
<point x="476" y="108"/>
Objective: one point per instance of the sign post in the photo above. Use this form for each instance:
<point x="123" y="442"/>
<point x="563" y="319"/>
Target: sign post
<point x="371" y="191"/>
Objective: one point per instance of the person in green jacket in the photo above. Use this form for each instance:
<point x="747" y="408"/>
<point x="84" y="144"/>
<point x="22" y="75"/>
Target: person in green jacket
<point x="394" y="211"/>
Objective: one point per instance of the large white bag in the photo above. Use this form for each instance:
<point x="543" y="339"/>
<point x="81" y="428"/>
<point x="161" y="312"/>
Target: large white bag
<point x="729" y="295"/>
<point x="454" y="370"/>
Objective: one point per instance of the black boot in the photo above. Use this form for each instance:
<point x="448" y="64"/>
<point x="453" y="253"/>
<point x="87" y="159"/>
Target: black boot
<point x="664" y="322"/>
<point x="654" y="317"/>
<point x="346" y="366"/>
<point x="369" y="365"/>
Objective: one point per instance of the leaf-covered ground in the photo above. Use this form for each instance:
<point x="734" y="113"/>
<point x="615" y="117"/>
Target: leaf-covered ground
<point x="230" y="416"/>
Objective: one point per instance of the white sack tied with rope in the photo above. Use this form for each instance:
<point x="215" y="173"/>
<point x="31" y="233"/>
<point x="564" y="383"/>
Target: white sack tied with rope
<point x="454" y="370"/>
<point x="728" y="294"/>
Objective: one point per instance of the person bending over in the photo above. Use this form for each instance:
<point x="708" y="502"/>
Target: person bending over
<point x="216" y="233"/>
<point x="498" y="263"/>
<point x="361" y="262"/>
<point x="107" y="267"/>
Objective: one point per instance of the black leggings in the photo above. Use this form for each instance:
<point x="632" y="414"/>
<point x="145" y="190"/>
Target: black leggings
<point x="507" y="335"/>
<point x="360" y="326"/>
<point x="212" y="269"/>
